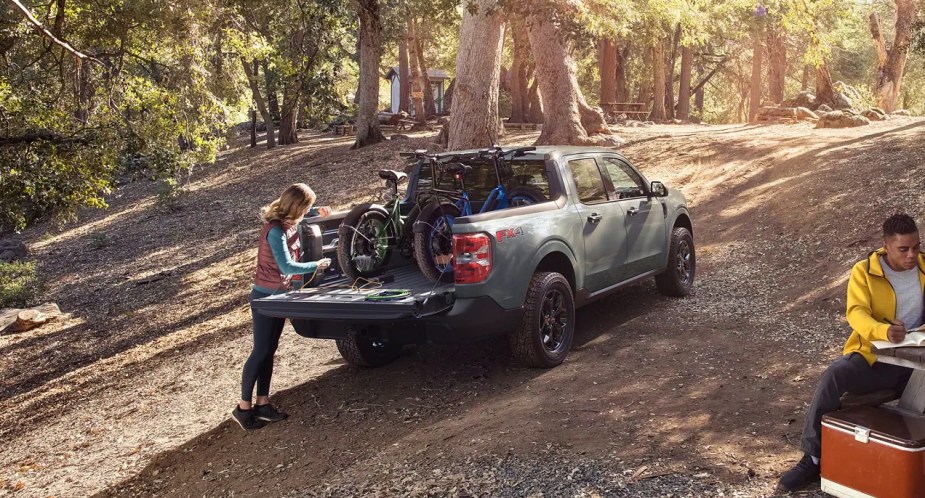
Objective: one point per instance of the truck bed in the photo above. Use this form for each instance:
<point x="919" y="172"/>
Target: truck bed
<point x="342" y="300"/>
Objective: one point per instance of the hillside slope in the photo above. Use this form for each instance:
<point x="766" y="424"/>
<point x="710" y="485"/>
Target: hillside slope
<point x="704" y="394"/>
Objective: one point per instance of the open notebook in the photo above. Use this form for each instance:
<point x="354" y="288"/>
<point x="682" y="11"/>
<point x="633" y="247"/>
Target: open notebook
<point x="914" y="337"/>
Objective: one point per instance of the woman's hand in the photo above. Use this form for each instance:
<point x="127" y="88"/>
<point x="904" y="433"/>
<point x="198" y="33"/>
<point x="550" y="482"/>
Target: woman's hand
<point x="323" y="263"/>
<point x="324" y="211"/>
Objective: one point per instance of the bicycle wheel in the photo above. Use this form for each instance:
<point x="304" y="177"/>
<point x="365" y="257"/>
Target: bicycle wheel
<point x="363" y="246"/>
<point x="433" y="244"/>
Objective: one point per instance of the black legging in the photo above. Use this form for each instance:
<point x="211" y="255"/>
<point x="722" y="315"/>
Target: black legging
<point x="259" y="365"/>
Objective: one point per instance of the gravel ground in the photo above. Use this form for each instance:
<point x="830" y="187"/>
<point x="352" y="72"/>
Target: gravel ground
<point x="701" y="397"/>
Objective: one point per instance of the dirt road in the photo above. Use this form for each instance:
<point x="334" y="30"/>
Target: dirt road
<point x="697" y="397"/>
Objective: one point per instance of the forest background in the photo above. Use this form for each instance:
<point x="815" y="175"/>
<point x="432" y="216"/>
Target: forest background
<point x="94" y="93"/>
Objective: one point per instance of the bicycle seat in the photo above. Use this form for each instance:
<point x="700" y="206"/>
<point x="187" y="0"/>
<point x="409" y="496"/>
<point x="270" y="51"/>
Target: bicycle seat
<point x="395" y="176"/>
<point x="458" y="168"/>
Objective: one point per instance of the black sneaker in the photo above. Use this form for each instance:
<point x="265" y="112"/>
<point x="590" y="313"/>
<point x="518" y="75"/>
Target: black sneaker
<point x="268" y="413"/>
<point x="804" y="473"/>
<point x="246" y="419"/>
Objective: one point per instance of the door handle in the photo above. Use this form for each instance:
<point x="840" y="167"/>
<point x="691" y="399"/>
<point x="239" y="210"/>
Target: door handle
<point x="633" y="211"/>
<point x="595" y="218"/>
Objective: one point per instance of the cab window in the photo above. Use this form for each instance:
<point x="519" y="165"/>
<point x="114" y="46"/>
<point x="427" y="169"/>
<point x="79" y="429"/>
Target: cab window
<point x="588" y="181"/>
<point x="626" y="182"/>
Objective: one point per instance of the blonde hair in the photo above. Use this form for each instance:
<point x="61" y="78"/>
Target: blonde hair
<point x="291" y="206"/>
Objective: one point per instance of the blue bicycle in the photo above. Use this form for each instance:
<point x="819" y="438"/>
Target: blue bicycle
<point x="433" y="230"/>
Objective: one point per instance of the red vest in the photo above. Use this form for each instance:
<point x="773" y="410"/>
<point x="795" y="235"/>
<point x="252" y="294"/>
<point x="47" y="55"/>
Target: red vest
<point x="268" y="274"/>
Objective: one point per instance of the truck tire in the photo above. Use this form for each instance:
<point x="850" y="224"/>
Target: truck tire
<point x="362" y="351"/>
<point x="433" y="245"/>
<point x="545" y="333"/>
<point x="360" y="252"/>
<point x="678" y="278"/>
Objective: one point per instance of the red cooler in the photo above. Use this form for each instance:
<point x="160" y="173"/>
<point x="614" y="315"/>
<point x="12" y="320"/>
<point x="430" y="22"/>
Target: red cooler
<point x="872" y="451"/>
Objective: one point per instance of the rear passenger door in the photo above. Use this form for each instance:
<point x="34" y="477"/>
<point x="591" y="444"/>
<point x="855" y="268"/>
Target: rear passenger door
<point x="603" y="224"/>
<point x="646" y="233"/>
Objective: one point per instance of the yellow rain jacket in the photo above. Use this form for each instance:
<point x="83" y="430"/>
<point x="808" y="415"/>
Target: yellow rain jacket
<point x="871" y="304"/>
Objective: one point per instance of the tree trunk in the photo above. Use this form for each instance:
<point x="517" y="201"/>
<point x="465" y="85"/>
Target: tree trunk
<point x="567" y="118"/>
<point x="448" y="96"/>
<point x="404" y="76"/>
<point x="520" y="103"/>
<point x="699" y="92"/>
<point x="608" y="71"/>
<point x="684" y="87"/>
<point x="475" y="121"/>
<point x="754" y="90"/>
<point x="83" y="92"/>
<point x="777" y="63"/>
<point x="669" y="81"/>
<point x="272" y="95"/>
<point x="417" y="85"/>
<point x="253" y="127"/>
<point x="824" y="92"/>
<point x="370" y="34"/>
<point x="288" y="121"/>
<point x="430" y="106"/>
<point x="59" y="18"/>
<point x="658" y="81"/>
<point x="621" y="90"/>
<point x="535" y="115"/>
<point x="892" y="63"/>
<point x="258" y="99"/>
<point x="804" y="81"/>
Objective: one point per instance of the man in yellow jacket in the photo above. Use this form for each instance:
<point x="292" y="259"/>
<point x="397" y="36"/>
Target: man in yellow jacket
<point x="885" y="298"/>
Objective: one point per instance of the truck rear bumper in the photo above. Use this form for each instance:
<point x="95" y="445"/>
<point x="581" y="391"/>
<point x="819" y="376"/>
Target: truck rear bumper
<point x="467" y="320"/>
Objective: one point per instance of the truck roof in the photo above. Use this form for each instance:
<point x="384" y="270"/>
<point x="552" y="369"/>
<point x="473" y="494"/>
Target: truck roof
<point x="541" y="150"/>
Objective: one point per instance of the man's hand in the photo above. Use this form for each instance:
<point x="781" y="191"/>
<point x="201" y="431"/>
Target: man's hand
<point x="324" y="211"/>
<point x="897" y="332"/>
<point x="324" y="263"/>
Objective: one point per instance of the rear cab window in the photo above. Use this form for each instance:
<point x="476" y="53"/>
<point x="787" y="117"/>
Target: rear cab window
<point x="482" y="179"/>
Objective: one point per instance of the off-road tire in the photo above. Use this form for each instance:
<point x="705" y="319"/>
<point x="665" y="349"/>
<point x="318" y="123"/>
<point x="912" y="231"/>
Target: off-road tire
<point x="345" y="242"/>
<point x="678" y="278"/>
<point x="422" y="242"/>
<point x="548" y="297"/>
<point x="361" y="351"/>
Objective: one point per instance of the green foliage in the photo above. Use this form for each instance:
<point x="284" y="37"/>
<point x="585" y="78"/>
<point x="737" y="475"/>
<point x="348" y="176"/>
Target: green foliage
<point x="170" y="195"/>
<point x="20" y="287"/>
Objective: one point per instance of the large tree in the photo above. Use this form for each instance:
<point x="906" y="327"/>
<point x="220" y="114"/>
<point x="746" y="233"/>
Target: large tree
<point x="754" y="89"/>
<point x="474" y="122"/>
<point x="567" y="117"/>
<point x="658" y="81"/>
<point x="367" y="122"/>
<point x="520" y="54"/>
<point x="684" y="87"/>
<point x="608" y="70"/>
<point x="891" y="63"/>
<point x="253" y="81"/>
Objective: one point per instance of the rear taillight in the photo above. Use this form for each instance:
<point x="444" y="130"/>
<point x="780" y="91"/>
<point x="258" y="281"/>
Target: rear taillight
<point x="472" y="257"/>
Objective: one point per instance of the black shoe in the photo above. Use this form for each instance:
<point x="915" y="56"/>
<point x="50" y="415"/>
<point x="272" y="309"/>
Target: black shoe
<point x="804" y="473"/>
<point x="268" y="413"/>
<point x="246" y="419"/>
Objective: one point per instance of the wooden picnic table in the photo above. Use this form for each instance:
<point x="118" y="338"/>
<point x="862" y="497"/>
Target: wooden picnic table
<point x="913" y="398"/>
<point x="628" y="108"/>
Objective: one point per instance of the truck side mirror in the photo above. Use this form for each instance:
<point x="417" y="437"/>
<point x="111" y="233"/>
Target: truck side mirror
<point x="658" y="189"/>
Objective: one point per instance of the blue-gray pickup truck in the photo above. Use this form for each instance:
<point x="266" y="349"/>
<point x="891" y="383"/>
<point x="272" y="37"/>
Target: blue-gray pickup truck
<point x="520" y="271"/>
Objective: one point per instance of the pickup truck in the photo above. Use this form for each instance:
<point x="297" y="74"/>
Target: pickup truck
<point x="519" y="272"/>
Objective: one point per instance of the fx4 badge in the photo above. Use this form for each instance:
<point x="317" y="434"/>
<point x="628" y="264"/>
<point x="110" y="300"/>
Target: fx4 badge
<point x="508" y="233"/>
